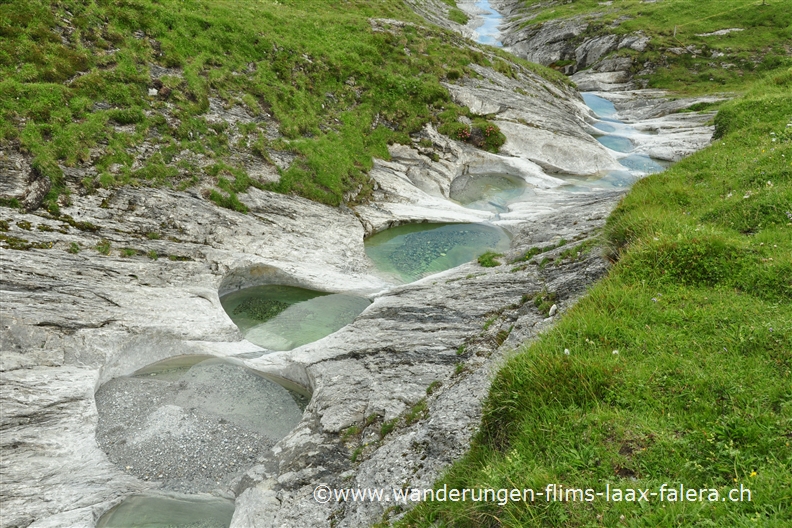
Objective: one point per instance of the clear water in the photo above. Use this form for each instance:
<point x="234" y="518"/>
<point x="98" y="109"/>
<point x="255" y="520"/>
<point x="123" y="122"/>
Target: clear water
<point x="284" y="317"/>
<point x="488" y="32"/>
<point x="641" y="163"/>
<point x="611" y="180"/>
<point x="488" y="192"/>
<point x="605" y="127"/>
<point x="602" y="107"/>
<point x="412" y="251"/>
<point x="619" y="144"/>
<point x="615" y="139"/>
<point x="141" y="511"/>
<point x="215" y="385"/>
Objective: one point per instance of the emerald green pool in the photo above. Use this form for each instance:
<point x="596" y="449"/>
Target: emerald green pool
<point x="412" y="251"/>
<point x="284" y="317"/>
<point x="141" y="511"/>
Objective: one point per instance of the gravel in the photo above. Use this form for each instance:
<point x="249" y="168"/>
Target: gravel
<point x="194" y="430"/>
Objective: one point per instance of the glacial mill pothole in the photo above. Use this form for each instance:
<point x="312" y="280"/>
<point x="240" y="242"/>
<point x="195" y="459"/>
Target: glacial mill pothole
<point x="412" y="251"/>
<point x="488" y="192"/>
<point x="161" y="511"/>
<point x="280" y="317"/>
<point x="192" y="423"/>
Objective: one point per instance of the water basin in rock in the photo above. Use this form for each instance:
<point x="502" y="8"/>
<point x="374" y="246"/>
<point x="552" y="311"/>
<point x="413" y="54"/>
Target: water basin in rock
<point x="619" y="144"/>
<point x="155" y="511"/>
<point x="280" y="317"/>
<point x="488" y="192"/>
<point x="489" y="30"/>
<point x="412" y="251"/>
<point x="192" y="422"/>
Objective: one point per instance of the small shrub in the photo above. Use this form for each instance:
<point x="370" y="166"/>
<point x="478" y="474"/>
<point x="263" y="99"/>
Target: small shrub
<point x="74" y="248"/>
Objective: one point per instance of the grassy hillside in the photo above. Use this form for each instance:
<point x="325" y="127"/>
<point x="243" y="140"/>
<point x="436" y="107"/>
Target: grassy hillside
<point x="679" y="368"/>
<point x="703" y="64"/>
<point x="124" y="87"/>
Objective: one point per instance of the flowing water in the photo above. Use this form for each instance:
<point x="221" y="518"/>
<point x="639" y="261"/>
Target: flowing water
<point x="617" y="136"/>
<point x="142" y="511"/>
<point x="488" y="32"/>
<point x="412" y="251"/>
<point x="285" y="317"/>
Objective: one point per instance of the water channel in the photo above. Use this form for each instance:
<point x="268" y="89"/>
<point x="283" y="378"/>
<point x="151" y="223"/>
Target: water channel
<point x="489" y="30"/>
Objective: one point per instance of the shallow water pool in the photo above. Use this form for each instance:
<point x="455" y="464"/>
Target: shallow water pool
<point x="488" y="192"/>
<point x="142" y="511"/>
<point x="412" y="251"/>
<point x="285" y="317"/>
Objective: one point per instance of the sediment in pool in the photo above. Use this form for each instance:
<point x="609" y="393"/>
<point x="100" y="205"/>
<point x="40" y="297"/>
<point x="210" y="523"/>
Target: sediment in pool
<point x="171" y="511"/>
<point x="409" y="252"/>
<point x="280" y="317"/>
<point x="192" y="423"/>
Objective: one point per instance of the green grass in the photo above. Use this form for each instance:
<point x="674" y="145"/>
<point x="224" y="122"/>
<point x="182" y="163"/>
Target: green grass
<point x="458" y="16"/>
<point x="748" y="55"/>
<point x="680" y="363"/>
<point x="75" y="78"/>
<point x="489" y="259"/>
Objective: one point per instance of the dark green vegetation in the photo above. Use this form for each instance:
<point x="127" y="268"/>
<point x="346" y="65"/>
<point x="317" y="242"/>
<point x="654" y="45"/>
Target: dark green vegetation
<point x="125" y="87"/>
<point x="717" y="62"/>
<point x="680" y="362"/>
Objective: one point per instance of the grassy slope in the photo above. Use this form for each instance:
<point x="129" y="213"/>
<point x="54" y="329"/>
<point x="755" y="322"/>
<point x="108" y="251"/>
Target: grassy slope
<point x="699" y="308"/>
<point x="72" y="73"/>
<point x="766" y="43"/>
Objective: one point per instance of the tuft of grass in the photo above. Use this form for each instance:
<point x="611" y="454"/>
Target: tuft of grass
<point x="679" y="367"/>
<point x="433" y="387"/>
<point x="488" y="259"/>
<point x="387" y="427"/>
<point x="417" y="412"/>
<point x="74" y="248"/>
<point x="103" y="247"/>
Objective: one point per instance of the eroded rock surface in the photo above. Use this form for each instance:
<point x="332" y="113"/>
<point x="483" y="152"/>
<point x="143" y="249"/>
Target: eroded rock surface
<point x="132" y="276"/>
